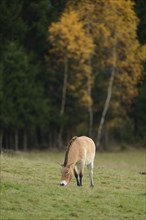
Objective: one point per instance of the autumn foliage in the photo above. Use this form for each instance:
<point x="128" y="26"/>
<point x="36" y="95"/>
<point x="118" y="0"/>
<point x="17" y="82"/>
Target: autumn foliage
<point x="74" y="69"/>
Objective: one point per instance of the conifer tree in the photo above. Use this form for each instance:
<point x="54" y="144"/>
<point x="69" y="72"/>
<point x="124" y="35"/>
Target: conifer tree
<point x="22" y="104"/>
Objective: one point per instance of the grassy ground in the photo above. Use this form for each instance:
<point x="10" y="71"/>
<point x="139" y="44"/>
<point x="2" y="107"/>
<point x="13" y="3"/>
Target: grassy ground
<point x="30" y="190"/>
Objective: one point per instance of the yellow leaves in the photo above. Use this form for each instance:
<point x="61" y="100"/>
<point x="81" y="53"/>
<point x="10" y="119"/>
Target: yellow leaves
<point x="114" y="123"/>
<point x="143" y="53"/>
<point x="86" y="99"/>
<point x="68" y="36"/>
<point x="69" y="39"/>
<point x="125" y="90"/>
<point x="91" y="29"/>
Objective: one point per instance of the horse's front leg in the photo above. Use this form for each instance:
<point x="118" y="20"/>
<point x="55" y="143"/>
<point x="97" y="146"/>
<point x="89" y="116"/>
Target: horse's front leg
<point x="81" y="176"/>
<point x="81" y="171"/>
<point x="77" y="176"/>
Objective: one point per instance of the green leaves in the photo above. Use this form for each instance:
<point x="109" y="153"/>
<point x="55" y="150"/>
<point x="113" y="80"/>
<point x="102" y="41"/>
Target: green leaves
<point x="21" y="97"/>
<point x="56" y="56"/>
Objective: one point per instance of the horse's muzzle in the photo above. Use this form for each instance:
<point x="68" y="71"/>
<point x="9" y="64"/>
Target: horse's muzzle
<point x="63" y="183"/>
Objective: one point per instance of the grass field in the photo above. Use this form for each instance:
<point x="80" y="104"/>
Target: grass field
<point x="30" y="189"/>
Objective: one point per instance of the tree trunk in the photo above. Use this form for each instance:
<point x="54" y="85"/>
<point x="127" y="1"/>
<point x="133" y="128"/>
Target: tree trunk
<point x="109" y="93"/>
<point x="90" y="110"/>
<point x="106" y="140"/>
<point x="25" y="141"/>
<point x="6" y="139"/>
<point x="11" y="139"/>
<point x="63" y="101"/>
<point x="16" y="140"/>
<point x="1" y="140"/>
<point x="60" y="141"/>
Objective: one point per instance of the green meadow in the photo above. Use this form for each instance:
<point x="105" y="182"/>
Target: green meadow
<point x="30" y="188"/>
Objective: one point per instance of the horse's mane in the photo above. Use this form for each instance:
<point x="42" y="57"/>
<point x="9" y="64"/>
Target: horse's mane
<point x="68" y="147"/>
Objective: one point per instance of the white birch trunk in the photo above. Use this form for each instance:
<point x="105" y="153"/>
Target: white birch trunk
<point x="109" y="94"/>
<point x="63" y="101"/>
<point x="90" y="110"/>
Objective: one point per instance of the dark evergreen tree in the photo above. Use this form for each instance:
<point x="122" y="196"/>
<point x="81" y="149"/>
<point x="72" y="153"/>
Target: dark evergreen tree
<point x="30" y="89"/>
<point x="23" y="103"/>
<point x="140" y="8"/>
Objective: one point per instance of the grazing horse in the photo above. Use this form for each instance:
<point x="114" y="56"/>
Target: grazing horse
<point x="80" y="152"/>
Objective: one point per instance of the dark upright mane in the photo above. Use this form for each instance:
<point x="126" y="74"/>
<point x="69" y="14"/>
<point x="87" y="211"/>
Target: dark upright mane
<point x="67" y="150"/>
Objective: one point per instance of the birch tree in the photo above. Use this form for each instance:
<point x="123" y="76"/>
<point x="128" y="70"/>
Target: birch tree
<point x="74" y="46"/>
<point x="113" y="24"/>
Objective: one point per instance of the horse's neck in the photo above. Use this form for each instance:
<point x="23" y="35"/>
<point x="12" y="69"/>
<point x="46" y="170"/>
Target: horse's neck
<point x="71" y="156"/>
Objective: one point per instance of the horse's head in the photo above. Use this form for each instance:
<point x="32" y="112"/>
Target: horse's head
<point x="66" y="174"/>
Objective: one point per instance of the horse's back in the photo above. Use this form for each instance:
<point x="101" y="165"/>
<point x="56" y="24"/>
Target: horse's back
<point x="87" y="147"/>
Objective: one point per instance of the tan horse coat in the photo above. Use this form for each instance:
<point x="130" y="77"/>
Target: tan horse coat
<point x="80" y="152"/>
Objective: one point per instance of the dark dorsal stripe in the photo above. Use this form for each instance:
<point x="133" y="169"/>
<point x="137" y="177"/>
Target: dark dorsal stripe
<point x="67" y="150"/>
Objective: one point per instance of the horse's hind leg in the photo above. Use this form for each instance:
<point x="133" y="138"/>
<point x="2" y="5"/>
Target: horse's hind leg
<point x="90" y="168"/>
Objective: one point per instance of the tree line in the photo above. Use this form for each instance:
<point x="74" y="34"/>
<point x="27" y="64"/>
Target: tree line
<point x="71" y="68"/>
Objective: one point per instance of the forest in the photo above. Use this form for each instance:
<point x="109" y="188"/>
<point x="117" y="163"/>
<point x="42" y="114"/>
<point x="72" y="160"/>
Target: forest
<point x="70" y="68"/>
